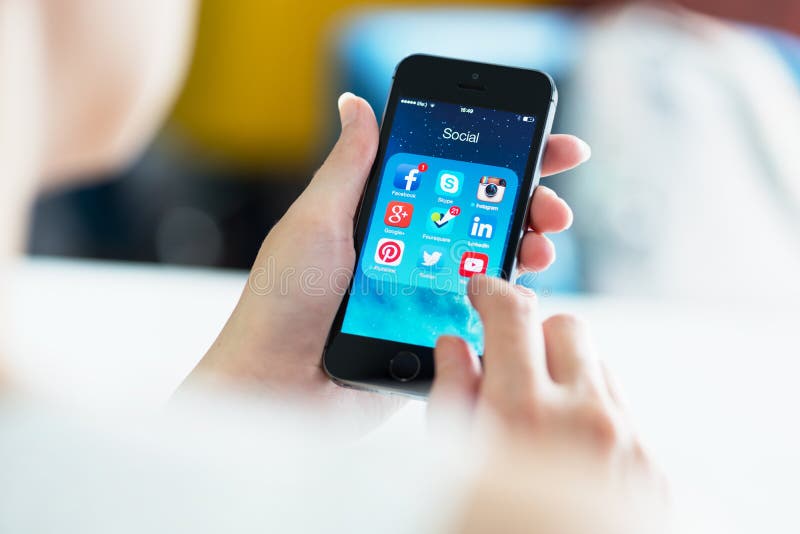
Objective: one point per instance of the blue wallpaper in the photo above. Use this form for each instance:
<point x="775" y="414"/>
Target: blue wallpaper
<point x="442" y="212"/>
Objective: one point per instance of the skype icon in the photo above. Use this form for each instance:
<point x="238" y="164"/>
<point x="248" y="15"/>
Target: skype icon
<point x="449" y="183"/>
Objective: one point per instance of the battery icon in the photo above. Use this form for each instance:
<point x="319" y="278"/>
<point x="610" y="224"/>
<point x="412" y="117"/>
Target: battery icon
<point x="526" y="118"/>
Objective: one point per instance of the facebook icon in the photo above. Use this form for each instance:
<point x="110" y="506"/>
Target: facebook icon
<point x="407" y="177"/>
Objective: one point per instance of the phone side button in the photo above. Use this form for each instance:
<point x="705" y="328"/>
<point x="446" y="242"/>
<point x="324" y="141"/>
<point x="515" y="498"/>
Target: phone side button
<point x="404" y="366"/>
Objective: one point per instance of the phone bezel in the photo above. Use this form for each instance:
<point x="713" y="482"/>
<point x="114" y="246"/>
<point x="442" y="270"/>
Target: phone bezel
<point x="363" y="362"/>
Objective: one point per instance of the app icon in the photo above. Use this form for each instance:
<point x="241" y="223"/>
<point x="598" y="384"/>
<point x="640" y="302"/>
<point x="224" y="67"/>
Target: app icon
<point x="482" y="226"/>
<point x="491" y="189"/>
<point x="449" y="183"/>
<point x="389" y="251"/>
<point x="398" y="214"/>
<point x="440" y="220"/>
<point x="473" y="263"/>
<point x="430" y="257"/>
<point x="407" y="176"/>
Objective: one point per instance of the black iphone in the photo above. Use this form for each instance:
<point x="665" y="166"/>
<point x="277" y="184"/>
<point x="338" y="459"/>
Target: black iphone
<point x="460" y="149"/>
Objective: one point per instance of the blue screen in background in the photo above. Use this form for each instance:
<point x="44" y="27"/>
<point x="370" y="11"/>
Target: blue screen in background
<point x="442" y="213"/>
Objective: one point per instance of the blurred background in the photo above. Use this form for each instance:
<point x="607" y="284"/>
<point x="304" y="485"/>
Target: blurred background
<point x="684" y="255"/>
<point x="712" y="108"/>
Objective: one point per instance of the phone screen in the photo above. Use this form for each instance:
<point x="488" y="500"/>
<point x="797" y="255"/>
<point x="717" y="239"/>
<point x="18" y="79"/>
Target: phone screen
<point x="448" y="187"/>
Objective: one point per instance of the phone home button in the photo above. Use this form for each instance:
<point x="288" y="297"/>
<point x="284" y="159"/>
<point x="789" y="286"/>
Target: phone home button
<point x="404" y="366"/>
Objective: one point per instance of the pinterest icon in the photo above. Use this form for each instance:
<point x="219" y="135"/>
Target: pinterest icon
<point x="389" y="252"/>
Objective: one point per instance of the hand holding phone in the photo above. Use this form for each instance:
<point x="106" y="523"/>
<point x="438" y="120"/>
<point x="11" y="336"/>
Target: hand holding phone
<point x="275" y="337"/>
<point x="460" y="154"/>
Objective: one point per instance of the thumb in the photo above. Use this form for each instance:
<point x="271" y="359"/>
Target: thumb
<point x="340" y="181"/>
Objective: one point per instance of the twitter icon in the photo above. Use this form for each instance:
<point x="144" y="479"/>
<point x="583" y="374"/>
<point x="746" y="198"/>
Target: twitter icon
<point x="431" y="257"/>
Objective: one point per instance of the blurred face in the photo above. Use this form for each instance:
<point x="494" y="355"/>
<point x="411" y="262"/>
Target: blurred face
<point x="83" y="86"/>
<point x="110" y="70"/>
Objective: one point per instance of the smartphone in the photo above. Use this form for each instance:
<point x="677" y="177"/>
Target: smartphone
<point x="460" y="151"/>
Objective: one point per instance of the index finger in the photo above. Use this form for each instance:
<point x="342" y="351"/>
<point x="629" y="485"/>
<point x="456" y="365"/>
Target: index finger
<point x="514" y="360"/>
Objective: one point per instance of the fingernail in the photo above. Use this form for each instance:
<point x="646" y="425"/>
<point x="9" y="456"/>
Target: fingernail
<point x="585" y="150"/>
<point x="570" y="214"/>
<point x="544" y="190"/>
<point x="442" y="344"/>
<point x="347" y="109"/>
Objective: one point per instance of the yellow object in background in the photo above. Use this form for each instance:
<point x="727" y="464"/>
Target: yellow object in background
<point x="253" y="91"/>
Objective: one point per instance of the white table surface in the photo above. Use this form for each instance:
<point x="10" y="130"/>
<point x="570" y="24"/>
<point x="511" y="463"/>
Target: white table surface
<point x="713" y="385"/>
